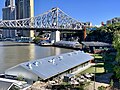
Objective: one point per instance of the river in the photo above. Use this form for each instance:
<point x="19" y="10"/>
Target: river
<point x="12" y="53"/>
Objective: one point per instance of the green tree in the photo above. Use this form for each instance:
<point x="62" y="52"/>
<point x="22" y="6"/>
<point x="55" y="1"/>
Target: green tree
<point x="116" y="44"/>
<point x="20" y="78"/>
<point x="101" y="88"/>
<point x="104" y="33"/>
<point x="36" y="40"/>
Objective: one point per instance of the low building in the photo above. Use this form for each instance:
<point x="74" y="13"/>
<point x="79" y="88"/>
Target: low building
<point x="113" y="20"/>
<point x="5" y="85"/>
<point x="95" y="47"/>
<point x="52" y="67"/>
<point x="8" y="84"/>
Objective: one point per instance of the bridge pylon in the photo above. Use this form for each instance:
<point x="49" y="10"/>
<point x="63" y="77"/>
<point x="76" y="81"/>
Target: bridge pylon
<point x="55" y="36"/>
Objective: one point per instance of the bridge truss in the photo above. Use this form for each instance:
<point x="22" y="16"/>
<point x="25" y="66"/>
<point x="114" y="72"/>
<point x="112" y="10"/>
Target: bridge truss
<point x="52" y="19"/>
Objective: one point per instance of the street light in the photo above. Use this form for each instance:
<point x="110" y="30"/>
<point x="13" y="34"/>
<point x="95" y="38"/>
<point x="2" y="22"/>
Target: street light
<point x="94" y="72"/>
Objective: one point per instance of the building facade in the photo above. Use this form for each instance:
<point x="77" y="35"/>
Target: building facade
<point x="25" y="9"/>
<point x="114" y="20"/>
<point x="9" y="3"/>
<point x="88" y="24"/>
<point x="8" y="14"/>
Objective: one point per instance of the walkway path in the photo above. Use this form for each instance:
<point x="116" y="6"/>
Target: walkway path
<point x="102" y="80"/>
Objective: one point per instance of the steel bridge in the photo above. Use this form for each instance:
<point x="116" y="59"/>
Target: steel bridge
<point x="52" y="20"/>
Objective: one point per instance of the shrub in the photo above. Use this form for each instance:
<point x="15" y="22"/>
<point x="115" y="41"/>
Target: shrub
<point x="101" y="88"/>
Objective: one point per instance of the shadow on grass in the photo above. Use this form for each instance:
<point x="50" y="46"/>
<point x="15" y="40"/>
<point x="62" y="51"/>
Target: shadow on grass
<point x="99" y="65"/>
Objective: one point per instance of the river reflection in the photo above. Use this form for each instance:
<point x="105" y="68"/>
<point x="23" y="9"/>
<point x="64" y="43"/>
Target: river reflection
<point x="12" y="54"/>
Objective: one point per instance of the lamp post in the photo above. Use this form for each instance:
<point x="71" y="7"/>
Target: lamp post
<point x="94" y="72"/>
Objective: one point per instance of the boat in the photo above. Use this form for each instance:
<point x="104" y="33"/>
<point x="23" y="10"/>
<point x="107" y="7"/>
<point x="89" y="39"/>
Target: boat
<point x="45" y="43"/>
<point x="23" y="39"/>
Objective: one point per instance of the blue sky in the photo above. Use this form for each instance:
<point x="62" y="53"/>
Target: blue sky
<point x="94" y="11"/>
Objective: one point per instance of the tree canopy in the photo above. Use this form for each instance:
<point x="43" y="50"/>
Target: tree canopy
<point x="116" y="44"/>
<point x="104" y="33"/>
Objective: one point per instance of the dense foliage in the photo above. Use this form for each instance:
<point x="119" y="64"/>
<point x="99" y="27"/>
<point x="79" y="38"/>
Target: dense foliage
<point x="103" y="33"/>
<point x="101" y="88"/>
<point x="36" y="40"/>
<point x="110" y="34"/>
<point x="116" y="44"/>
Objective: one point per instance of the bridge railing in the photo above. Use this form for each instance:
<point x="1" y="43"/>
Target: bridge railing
<point x="52" y="19"/>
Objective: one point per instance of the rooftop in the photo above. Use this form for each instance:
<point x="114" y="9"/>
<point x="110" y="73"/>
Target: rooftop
<point x="5" y="85"/>
<point x="68" y="42"/>
<point x="48" y="67"/>
<point x="96" y="44"/>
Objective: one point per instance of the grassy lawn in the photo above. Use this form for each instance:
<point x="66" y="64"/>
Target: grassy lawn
<point x="97" y="56"/>
<point x="99" y="69"/>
